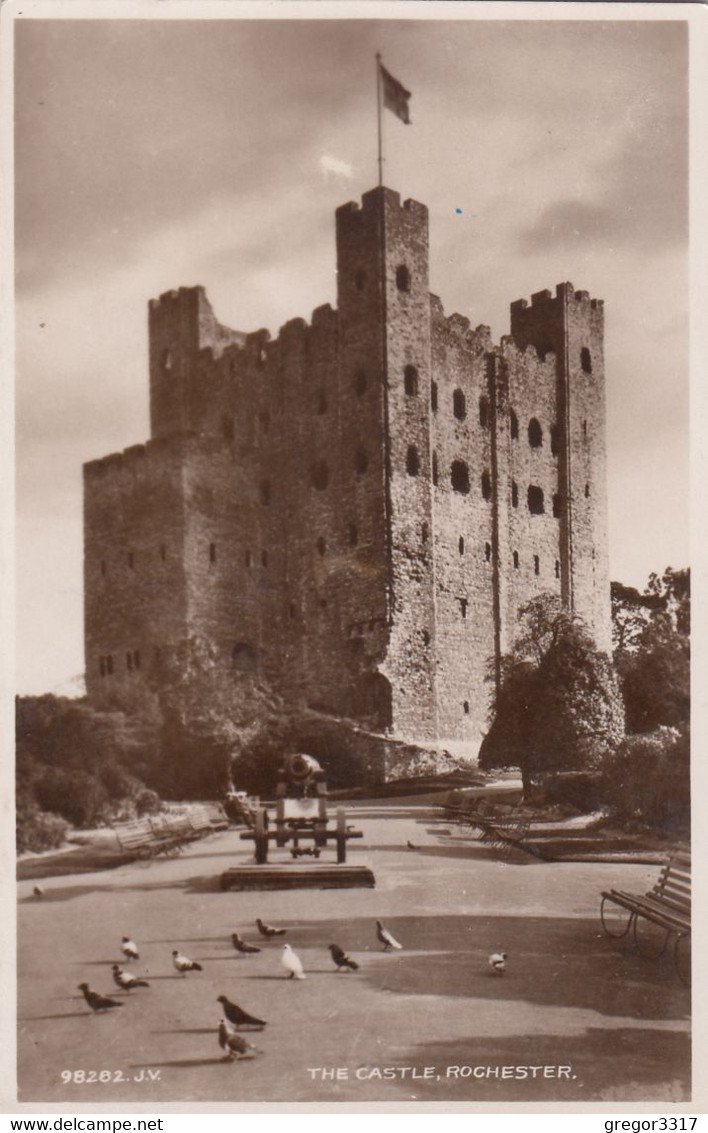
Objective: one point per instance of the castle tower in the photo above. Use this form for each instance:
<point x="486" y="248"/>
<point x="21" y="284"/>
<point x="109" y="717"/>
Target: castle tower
<point x="571" y="327"/>
<point x="356" y="509"/>
<point x="384" y="312"/>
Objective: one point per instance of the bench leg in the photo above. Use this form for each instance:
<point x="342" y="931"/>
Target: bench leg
<point x="682" y="957"/>
<point x="648" y="950"/>
<point x="616" y="920"/>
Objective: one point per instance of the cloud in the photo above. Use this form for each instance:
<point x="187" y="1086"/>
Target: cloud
<point x="333" y="167"/>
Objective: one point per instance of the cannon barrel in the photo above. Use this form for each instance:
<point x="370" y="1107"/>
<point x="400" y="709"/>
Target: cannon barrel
<point x="298" y="768"/>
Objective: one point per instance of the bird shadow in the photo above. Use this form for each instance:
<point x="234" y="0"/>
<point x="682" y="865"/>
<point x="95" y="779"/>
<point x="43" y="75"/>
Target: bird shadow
<point x="66" y="1015"/>
<point x="97" y="963"/>
<point x="190" y="940"/>
<point x="182" y="1062"/>
<point x="265" y="977"/>
<point x="187" y="1031"/>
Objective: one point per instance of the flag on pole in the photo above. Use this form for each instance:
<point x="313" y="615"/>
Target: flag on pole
<point x="395" y="95"/>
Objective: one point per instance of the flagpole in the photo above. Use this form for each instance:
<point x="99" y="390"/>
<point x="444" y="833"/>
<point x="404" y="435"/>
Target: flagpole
<point x="378" y="117"/>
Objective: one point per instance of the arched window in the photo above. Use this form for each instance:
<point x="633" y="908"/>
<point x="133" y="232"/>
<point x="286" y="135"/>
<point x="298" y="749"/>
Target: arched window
<point x="535" y="499"/>
<point x="484" y="412"/>
<point x="435" y="467"/>
<point x="412" y="461"/>
<point x="403" y="278"/>
<point x="460" y="477"/>
<point x="434" y="396"/>
<point x="361" y="461"/>
<point x="459" y="405"/>
<point x="585" y="361"/>
<point x="516" y="560"/>
<point x="514" y="494"/>
<point x="487" y="552"/>
<point x="360" y="383"/>
<point x="536" y="565"/>
<point x="463" y="606"/>
<point x="558" y="569"/>
<point x="587" y="491"/>
<point x="319" y="475"/>
<point x="486" y="485"/>
<point x="513" y="425"/>
<point x="466" y="707"/>
<point x="424" y="533"/>
<point x="535" y="433"/>
<point x="212" y="552"/>
<point x="410" y="381"/>
<point x="461" y="544"/>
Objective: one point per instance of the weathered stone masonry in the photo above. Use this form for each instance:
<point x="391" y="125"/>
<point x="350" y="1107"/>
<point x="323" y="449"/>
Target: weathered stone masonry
<point x="357" y="508"/>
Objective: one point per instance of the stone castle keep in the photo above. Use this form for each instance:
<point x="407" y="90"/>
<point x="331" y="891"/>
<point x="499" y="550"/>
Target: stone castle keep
<point x="356" y="509"/>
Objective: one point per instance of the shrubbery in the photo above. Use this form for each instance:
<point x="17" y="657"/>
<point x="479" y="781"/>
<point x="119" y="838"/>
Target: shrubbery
<point x="71" y="770"/>
<point x="648" y="781"/>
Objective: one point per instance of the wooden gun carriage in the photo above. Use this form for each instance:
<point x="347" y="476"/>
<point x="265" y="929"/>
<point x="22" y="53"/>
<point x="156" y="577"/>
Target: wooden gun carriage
<point x="300" y="815"/>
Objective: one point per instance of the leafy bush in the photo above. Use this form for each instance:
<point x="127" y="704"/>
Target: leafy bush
<point x="37" y="830"/>
<point x="647" y="780"/>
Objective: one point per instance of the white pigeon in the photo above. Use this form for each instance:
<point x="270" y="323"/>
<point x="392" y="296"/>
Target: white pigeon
<point x="183" y="964"/>
<point x="129" y="948"/>
<point x="497" y="962"/>
<point x="292" y="963"/>
<point x="386" y="938"/>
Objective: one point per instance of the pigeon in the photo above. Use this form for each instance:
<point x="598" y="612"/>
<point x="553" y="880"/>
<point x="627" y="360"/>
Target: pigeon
<point x="236" y="1046"/>
<point x="268" y="930"/>
<point x="129" y="949"/>
<point x="38" y="891"/>
<point x="97" y="1002"/>
<point x="126" y="980"/>
<point x="242" y="946"/>
<point x="341" y="959"/>
<point x="292" y="963"/>
<point x="497" y="963"/>
<point x="237" y="1015"/>
<point x="411" y="845"/>
<point x="385" y="937"/>
<point x="183" y="964"/>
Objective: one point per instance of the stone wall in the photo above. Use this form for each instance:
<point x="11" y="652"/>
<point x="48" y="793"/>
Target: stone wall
<point x="356" y="509"/>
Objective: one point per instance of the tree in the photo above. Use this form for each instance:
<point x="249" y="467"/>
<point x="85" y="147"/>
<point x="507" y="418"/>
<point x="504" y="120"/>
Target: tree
<point x="653" y="661"/>
<point x="557" y="703"/>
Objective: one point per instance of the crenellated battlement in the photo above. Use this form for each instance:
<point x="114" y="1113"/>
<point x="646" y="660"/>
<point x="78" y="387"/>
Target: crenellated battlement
<point x="383" y="464"/>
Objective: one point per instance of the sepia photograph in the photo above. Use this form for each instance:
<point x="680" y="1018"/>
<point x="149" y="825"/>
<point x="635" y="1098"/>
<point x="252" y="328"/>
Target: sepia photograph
<point x="353" y="590"/>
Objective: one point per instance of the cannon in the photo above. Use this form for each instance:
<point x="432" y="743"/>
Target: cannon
<point x="300" y="814"/>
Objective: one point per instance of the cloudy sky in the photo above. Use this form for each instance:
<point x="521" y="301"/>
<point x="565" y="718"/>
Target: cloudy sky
<point x="157" y="153"/>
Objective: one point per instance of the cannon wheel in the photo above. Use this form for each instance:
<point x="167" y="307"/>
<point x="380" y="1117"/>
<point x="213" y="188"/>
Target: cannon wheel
<point x="261" y="836"/>
<point x="341" y="837"/>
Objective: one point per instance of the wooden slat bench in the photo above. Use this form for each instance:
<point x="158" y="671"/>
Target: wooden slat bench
<point x="500" y="825"/>
<point x="141" y="840"/>
<point x="667" y="905"/>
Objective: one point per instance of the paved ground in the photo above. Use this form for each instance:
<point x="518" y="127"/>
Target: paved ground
<point x="570" y="997"/>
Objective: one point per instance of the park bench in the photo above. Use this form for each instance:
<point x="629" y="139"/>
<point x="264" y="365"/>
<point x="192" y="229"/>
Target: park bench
<point x="501" y="825"/>
<point x="667" y="905"/>
<point x="142" y="841"/>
